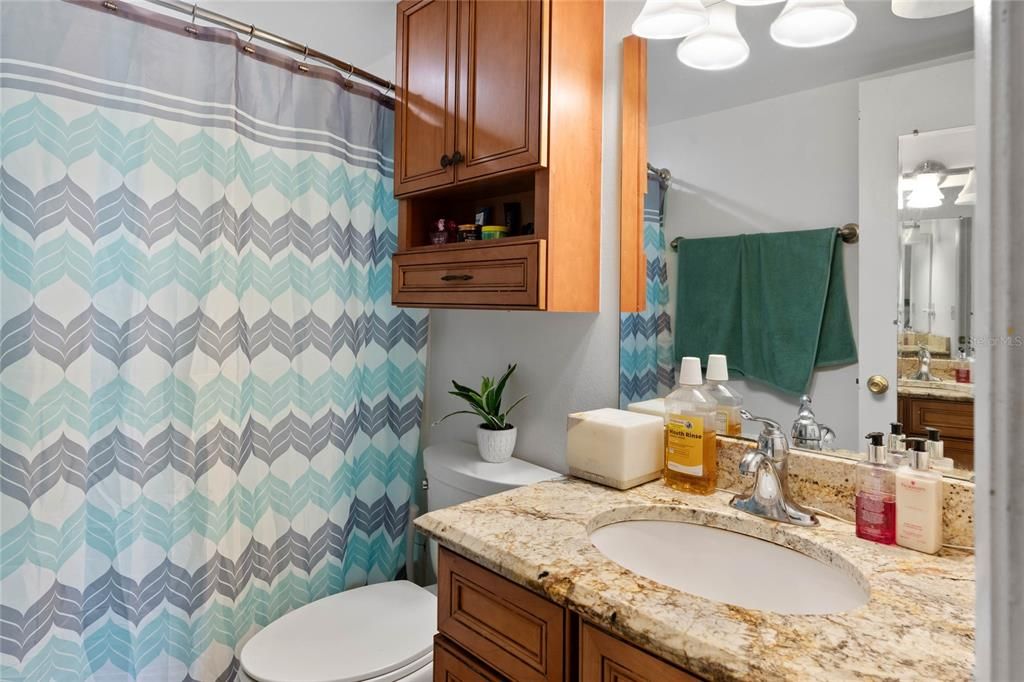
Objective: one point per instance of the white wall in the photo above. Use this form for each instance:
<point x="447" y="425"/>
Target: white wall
<point x="567" y="361"/>
<point x="787" y="163"/>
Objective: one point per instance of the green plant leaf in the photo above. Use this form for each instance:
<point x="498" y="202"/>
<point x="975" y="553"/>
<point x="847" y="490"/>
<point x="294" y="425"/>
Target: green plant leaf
<point x="509" y="410"/>
<point x="494" y="404"/>
<point x="452" y="414"/>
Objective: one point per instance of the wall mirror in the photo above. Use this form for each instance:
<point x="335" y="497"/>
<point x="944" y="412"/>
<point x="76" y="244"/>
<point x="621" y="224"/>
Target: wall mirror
<point x="751" y="165"/>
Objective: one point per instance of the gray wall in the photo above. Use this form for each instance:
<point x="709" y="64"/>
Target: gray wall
<point x="787" y="163"/>
<point x="567" y="361"/>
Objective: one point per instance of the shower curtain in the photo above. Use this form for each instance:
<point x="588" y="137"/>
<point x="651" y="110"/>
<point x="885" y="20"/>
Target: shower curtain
<point x="645" y="338"/>
<point x="210" y="409"/>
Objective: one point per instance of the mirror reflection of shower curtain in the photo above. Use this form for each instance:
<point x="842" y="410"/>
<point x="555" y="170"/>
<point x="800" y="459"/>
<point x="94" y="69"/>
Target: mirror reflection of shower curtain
<point x="210" y="409"/>
<point x="645" y="338"/>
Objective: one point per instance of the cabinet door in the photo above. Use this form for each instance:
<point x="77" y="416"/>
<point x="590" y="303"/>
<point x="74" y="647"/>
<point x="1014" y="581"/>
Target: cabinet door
<point x="501" y="55"/>
<point x="425" y="95"/>
<point x="451" y="665"/>
<point x="604" y="658"/>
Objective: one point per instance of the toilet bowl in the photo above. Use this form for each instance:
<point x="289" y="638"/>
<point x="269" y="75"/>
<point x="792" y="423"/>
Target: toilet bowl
<point x="382" y="632"/>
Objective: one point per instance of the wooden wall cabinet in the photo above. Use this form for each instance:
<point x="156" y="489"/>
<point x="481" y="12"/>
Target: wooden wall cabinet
<point x="953" y="418"/>
<point x="490" y="628"/>
<point x="499" y="102"/>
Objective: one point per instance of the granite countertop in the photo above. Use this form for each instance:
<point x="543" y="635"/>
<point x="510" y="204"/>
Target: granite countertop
<point x="918" y="622"/>
<point x="941" y="390"/>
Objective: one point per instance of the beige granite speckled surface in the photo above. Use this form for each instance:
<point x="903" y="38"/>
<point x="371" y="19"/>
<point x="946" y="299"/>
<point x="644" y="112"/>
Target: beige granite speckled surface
<point x="827" y="482"/>
<point x="918" y="622"/>
<point x="937" y="390"/>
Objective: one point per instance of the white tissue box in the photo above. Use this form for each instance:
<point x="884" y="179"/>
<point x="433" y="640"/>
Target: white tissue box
<point x="615" y="448"/>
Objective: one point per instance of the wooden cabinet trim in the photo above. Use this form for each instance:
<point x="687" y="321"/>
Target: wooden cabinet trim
<point x="526" y="642"/>
<point x="633" y="177"/>
<point x="451" y="664"/>
<point x="604" y="658"/>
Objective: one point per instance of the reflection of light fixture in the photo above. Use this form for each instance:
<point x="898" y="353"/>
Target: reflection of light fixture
<point x="754" y="3"/>
<point x="719" y="46"/>
<point x="926" y="9"/>
<point x="662" y="19"/>
<point x="813" y="23"/>
<point x="926" y="193"/>
<point x="969" y="194"/>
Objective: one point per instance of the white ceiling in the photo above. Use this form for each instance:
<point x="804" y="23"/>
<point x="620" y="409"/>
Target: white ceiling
<point x="881" y="42"/>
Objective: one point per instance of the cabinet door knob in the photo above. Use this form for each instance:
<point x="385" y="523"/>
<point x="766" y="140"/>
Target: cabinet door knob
<point x="457" y="157"/>
<point x="445" y="161"/>
<point x="878" y="384"/>
<point x="456" y="278"/>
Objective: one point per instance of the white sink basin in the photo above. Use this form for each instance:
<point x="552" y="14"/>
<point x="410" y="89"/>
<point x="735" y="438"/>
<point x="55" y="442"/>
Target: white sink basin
<point x="729" y="567"/>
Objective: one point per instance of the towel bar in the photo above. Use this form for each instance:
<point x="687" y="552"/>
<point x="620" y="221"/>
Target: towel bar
<point x="849" y="233"/>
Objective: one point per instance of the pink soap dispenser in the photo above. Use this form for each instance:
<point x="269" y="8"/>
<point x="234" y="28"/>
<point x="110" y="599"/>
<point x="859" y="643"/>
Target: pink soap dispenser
<point x="876" y="494"/>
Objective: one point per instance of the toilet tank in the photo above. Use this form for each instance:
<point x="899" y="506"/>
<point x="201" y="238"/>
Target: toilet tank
<point x="456" y="474"/>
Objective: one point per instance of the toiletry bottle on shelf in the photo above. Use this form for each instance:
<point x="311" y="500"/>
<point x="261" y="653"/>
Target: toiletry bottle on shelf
<point x="876" y="494"/>
<point x="937" y="459"/>
<point x="918" y="501"/>
<point x="728" y="421"/>
<point x="691" y="452"/>
<point x="897" y="446"/>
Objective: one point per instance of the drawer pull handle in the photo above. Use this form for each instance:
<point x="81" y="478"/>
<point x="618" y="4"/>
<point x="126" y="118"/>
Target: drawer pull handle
<point x="457" y="158"/>
<point x="445" y="161"/>
<point x="456" y="278"/>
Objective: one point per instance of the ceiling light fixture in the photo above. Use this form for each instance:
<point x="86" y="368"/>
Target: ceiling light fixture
<point x="813" y="23"/>
<point x="926" y="193"/>
<point x="664" y="19"/>
<point x="969" y="194"/>
<point x="755" y="3"/>
<point x="926" y="9"/>
<point x="717" y="47"/>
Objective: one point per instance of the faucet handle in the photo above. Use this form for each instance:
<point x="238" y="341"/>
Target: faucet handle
<point x="769" y="424"/>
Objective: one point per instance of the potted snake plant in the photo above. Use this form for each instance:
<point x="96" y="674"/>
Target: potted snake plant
<point x="495" y="436"/>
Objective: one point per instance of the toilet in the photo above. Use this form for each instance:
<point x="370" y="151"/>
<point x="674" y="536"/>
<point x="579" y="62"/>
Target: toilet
<point x="382" y="632"/>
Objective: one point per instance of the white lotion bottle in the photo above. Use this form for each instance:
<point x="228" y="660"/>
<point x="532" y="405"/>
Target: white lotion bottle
<point x="918" y="501"/>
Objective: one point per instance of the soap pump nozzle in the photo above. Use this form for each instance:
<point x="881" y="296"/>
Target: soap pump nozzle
<point x="876" y="447"/>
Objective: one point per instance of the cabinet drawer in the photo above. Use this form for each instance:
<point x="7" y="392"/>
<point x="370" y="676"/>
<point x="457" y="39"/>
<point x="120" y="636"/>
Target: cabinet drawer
<point x="500" y="275"/>
<point x="953" y="418"/>
<point x="451" y="665"/>
<point x="604" y="658"/>
<point x="520" y="634"/>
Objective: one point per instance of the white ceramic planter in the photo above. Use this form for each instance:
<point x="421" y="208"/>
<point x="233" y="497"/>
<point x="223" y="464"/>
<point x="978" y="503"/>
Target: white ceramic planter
<point x="496" y="446"/>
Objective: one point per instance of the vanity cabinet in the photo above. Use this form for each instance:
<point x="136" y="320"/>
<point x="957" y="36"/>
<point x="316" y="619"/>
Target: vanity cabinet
<point x="953" y="418"/>
<point x="498" y="110"/>
<point x="490" y="628"/>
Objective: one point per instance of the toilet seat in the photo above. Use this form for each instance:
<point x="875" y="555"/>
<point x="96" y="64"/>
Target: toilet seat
<point x="377" y="633"/>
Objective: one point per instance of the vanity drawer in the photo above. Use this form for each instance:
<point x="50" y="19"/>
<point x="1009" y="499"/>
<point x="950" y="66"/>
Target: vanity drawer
<point x="955" y="419"/>
<point x="451" y="665"/>
<point x="491" y="275"/>
<point x="604" y="658"/>
<point x="519" y="633"/>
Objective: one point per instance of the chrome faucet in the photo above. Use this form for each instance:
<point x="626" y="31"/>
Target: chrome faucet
<point x="769" y="465"/>
<point x="924" y="365"/>
<point x="807" y="432"/>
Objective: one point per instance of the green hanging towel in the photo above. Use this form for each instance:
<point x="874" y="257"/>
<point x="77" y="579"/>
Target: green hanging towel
<point x="774" y="303"/>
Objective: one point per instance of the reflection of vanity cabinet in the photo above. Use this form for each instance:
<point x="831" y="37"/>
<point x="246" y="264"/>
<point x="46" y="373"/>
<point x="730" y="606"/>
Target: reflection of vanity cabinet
<point x="490" y="628"/>
<point x="954" y="418"/>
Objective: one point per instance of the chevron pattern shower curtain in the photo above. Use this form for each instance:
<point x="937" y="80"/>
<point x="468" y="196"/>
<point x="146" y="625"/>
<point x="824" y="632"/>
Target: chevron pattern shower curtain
<point x="210" y="410"/>
<point x="645" y="338"/>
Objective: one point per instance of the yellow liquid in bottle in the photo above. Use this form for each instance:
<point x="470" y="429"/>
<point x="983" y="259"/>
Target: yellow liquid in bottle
<point x="705" y="483"/>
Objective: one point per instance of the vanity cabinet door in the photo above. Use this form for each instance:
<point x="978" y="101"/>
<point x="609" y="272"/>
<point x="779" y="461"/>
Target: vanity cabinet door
<point x="501" y="80"/>
<point x="425" y="95"/>
<point x="452" y="665"/>
<point x="604" y="658"/>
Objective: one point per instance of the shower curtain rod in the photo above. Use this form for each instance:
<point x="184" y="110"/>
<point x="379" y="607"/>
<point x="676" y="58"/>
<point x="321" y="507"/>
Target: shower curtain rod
<point x="251" y="31"/>
<point x="849" y="233"/>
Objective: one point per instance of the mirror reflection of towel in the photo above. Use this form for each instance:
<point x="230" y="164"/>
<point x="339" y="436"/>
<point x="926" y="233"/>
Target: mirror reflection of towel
<point x="774" y="303"/>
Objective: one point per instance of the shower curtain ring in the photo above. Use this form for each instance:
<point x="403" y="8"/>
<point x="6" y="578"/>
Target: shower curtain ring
<point x="348" y="79"/>
<point x="248" y="44"/>
<point x="390" y="88"/>
<point x="192" y="28"/>
<point x="305" y="56"/>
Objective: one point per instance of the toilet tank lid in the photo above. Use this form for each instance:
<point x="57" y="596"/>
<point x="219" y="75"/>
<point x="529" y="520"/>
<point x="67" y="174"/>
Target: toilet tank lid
<point x="459" y="465"/>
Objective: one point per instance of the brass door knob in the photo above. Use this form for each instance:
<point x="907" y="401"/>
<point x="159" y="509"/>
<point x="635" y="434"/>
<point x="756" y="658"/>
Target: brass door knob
<point x="878" y="384"/>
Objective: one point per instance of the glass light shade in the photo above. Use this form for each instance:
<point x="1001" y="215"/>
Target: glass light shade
<point x="926" y="192"/>
<point x="926" y="9"/>
<point x="813" y="23"/>
<point x="663" y="19"/>
<point x="719" y="46"/>
<point x="969" y="194"/>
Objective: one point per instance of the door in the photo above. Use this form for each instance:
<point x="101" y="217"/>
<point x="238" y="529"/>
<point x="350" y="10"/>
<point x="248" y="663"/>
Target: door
<point x="425" y="95"/>
<point x="501" y="55"/>
<point x="604" y="658"/>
